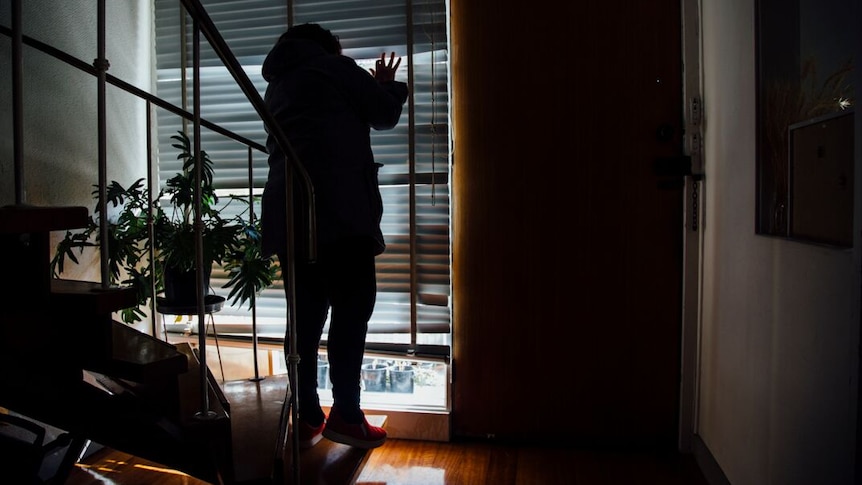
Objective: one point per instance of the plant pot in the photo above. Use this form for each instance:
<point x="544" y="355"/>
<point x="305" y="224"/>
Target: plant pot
<point x="181" y="288"/>
<point x="401" y="379"/>
<point x="374" y="377"/>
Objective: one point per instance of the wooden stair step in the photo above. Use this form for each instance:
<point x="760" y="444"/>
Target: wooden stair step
<point x="139" y="357"/>
<point x="256" y="406"/>
<point x="23" y="218"/>
<point x="329" y="462"/>
<point x="25" y="238"/>
<point x="199" y="443"/>
<point x="90" y="298"/>
<point x="255" y="413"/>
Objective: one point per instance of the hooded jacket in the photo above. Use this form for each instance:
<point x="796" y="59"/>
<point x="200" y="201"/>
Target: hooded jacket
<point x="326" y="105"/>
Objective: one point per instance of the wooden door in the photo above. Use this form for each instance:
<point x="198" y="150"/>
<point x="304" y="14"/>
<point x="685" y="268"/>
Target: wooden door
<point x="567" y="246"/>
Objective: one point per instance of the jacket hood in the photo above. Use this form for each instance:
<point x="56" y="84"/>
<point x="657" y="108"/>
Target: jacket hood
<point x="288" y="54"/>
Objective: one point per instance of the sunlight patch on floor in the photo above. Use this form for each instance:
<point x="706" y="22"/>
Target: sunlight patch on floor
<point x="413" y="475"/>
<point x="109" y="469"/>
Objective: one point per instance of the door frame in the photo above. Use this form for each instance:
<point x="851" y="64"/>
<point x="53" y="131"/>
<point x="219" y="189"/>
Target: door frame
<point x="693" y="225"/>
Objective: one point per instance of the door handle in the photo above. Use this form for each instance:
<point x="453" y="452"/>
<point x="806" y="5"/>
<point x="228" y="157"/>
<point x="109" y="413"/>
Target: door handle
<point x="671" y="171"/>
<point x="678" y="166"/>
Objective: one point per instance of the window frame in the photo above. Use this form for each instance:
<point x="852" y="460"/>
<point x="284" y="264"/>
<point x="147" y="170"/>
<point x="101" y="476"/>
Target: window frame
<point x="415" y="272"/>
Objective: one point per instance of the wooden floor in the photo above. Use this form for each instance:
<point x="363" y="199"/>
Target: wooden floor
<point x="408" y="462"/>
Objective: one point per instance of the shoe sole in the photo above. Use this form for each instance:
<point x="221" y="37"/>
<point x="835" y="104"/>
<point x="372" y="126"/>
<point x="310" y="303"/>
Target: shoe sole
<point x="351" y="441"/>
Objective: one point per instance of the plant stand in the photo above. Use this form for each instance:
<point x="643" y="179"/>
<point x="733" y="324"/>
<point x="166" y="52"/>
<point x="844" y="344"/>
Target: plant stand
<point x="212" y="304"/>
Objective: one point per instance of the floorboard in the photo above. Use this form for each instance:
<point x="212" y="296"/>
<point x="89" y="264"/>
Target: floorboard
<point x="409" y="462"/>
<point x="397" y="462"/>
<point x="405" y="462"/>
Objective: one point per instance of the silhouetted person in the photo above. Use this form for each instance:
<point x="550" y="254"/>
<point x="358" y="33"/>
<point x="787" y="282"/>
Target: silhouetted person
<point x="326" y="104"/>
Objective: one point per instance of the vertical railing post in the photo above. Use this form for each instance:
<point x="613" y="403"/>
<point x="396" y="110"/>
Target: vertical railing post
<point x="251" y="221"/>
<point x="411" y="136"/>
<point x="101" y="64"/>
<point x="151" y="221"/>
<point x="205" y="412"/>
<point x="18" y="100"/>
<point x="184" y="89"/>
<point x="293" y="357"/>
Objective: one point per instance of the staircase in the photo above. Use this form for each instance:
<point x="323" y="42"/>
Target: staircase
<point x="65" y="362"/>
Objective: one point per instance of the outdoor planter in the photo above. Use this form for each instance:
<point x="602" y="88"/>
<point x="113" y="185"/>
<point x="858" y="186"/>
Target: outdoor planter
<point x="401" y="379"/>
<point x="374" y="377"/>
<point x="323" y="374"/>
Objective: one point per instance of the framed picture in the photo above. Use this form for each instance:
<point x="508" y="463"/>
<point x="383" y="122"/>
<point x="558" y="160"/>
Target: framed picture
<point x="820" y="199"/>
<point x="805" y="60"/>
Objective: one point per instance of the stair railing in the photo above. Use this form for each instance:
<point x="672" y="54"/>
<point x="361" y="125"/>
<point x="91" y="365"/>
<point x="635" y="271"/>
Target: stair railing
<point x="294" y="168"/>
<point x="203" y="24"/>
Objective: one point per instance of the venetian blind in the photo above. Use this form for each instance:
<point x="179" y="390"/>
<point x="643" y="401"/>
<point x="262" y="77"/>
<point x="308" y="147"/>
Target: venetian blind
<point x="413" y="302"/>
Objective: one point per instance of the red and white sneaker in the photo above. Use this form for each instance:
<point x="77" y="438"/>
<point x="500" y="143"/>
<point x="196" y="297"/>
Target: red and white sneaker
<point x="309" y="435"/>
<point x="362" y="435"/>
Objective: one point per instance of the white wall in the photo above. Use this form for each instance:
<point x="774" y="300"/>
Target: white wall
<point x="60" y="115"/>
<point x="60" y="133"/>
<point x="780" y="327"/>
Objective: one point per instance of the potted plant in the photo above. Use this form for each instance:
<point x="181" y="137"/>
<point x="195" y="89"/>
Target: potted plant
<point x="232" y="242"/>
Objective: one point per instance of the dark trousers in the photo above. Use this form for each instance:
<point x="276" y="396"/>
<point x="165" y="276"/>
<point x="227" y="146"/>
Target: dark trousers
<point x="342" y="280"/>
